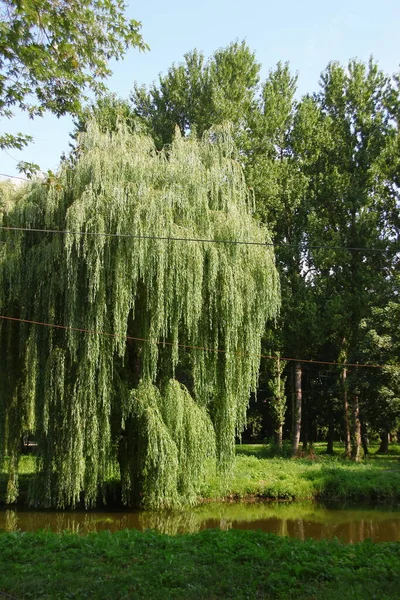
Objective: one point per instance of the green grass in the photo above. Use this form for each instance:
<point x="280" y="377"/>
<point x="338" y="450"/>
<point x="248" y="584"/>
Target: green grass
<point x="318" y="449"/>
<point x="376" y="478"/>
<point x="220" y="564"/>
<point x="208" y="565"/>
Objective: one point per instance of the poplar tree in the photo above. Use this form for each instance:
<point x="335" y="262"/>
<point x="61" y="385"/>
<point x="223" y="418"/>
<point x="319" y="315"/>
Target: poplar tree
<point x="198" y="94"/>
<point x="350" y="155"/>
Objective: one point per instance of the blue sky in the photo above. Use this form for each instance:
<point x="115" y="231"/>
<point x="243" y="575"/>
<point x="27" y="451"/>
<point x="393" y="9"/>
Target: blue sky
<point x="307" y="33"/>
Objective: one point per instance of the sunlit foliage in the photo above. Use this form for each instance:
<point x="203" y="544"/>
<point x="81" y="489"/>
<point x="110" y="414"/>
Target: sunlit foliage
<point x="147" y="403"/>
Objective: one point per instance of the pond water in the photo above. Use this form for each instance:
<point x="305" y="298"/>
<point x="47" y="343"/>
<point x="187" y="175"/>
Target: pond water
<point x="296" y="520"/>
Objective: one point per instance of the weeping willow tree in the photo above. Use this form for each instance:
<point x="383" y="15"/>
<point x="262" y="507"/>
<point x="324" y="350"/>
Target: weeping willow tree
<point x="7" y="196"/>
<point x="155" y="395"/>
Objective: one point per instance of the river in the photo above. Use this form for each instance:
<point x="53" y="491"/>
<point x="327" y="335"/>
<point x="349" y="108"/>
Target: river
<point x="297" y="520"/>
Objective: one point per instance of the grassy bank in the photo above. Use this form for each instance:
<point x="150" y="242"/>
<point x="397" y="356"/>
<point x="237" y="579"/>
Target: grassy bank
<point x="377" y="478"/>
<point x="257" y="475"/>
<point x="208" y="565"/>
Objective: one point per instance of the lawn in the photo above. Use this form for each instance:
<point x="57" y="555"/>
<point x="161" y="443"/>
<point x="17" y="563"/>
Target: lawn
<point x="208" y="565"/>
<point x="215" y="564"/>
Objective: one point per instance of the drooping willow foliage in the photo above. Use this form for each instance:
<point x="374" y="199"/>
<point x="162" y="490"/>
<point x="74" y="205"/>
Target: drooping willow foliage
<point x="156" y="409"/>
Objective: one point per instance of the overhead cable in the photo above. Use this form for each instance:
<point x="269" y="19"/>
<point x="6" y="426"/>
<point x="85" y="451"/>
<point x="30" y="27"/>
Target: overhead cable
<point x="189" y="347"/>
<point x="190" y="239"/>
<point x="14" y="176"/>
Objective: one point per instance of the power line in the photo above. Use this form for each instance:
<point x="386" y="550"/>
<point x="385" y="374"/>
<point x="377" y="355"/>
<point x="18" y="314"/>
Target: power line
<point x="137" y="236"/>
<point x="186" y="346"/>
<point x="200" y="240"/>
<point x="14" y="176"/>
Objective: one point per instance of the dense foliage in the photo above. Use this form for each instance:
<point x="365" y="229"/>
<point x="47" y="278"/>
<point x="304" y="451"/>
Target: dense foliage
<point x="53" y="52"/>
<point x="325" y="171"/>
<point x="321" y="175"/>
<point x="157" y="408"/>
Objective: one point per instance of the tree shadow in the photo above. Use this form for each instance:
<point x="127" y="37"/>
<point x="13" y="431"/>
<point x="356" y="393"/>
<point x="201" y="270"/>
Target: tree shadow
<point x="350" y="482"/>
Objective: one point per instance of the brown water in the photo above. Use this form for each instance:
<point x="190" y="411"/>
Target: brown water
<point x="300" y="521"/>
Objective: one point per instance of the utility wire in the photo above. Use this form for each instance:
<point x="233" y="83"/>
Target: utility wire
<point x="200" y="240"/>
<point x="186" y="346"/>
<point x="13" y="176"/>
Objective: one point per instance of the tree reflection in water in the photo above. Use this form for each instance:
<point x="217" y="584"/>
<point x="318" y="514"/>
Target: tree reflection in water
<point x="300" y="521"/>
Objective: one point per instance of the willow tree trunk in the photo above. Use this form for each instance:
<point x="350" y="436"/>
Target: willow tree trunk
<point x="297" y="410"/>
<point x="347" y="435"/>
<point x="356" y="437"/>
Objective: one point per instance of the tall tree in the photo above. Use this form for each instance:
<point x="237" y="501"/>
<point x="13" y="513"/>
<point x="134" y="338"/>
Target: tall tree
<point x="276" y="385"/>
<point x="274" y="170"/>
<point x="154" y="406"/>
<point x="380" y="391"/>
<point x="353" y="201"/>
<point x="198" y="94"/>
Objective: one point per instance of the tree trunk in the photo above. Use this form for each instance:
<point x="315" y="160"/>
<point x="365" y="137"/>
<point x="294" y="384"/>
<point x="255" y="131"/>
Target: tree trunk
<point x="278" y="436"/>
<point x="278" y="433"/>
<point x="331" y="432"/>
<point x="297" y="410"/>
<point x="305" y="425"/>
<point x="293" y="397"/>
<point x="356" y="441"/>
<point x="305" y="437"/>
<point x="364" y="444"/>
<point x="347" y="436"/>
<point x="384" y="447"/>
<point x="364" y="436"/>
<point x="127" y="452"/>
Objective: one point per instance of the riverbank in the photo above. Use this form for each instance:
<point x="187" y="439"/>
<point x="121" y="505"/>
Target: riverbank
<point x="258" y="476"/>
<point x="208" y="565"/>
<point x="317" y="477"/>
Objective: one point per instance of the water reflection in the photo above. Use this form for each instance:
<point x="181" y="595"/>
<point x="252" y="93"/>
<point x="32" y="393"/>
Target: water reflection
<point x="294" y="520"/>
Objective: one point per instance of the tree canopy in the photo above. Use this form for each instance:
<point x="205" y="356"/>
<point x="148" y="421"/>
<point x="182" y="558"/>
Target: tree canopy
<point x="198" y="94"/>
<point x="53" y="51"/>
<point x="325" y="173"/>
<point x="194" y="313"/>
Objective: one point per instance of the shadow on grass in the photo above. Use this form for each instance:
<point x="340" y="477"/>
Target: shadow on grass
<point x="317" y="450"/>
<point x="356" y="482"/>
<point x="257" y="450"/>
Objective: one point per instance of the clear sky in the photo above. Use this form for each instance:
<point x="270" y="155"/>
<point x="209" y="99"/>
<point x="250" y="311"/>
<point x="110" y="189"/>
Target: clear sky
<point x="307" y="33"/>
